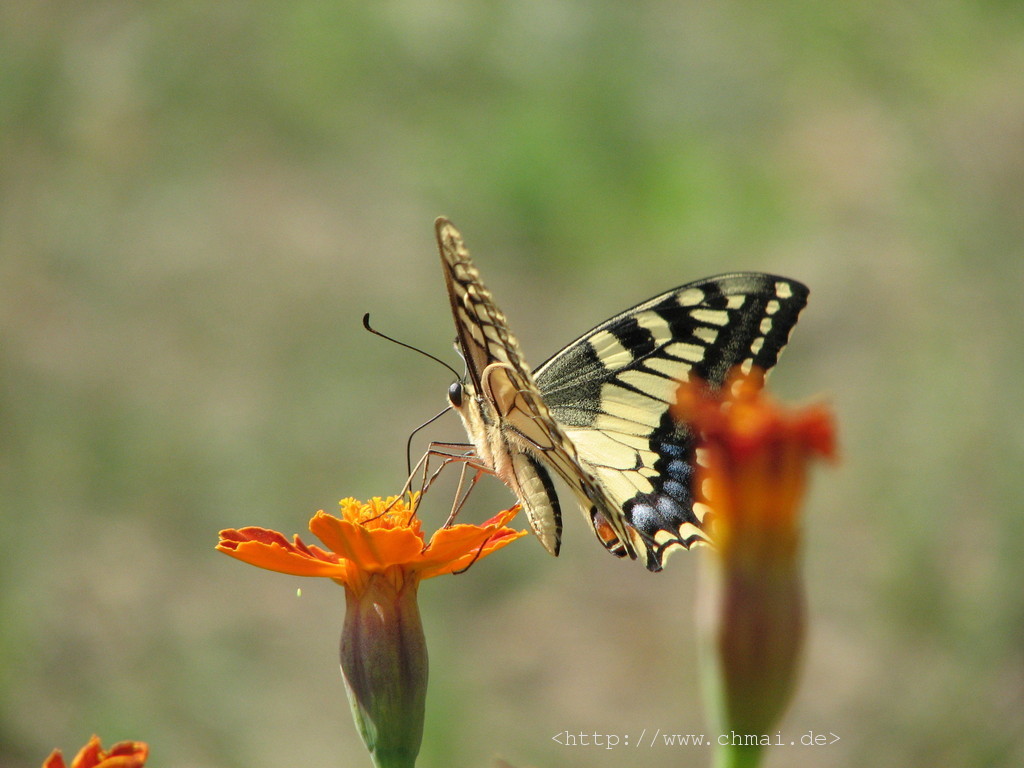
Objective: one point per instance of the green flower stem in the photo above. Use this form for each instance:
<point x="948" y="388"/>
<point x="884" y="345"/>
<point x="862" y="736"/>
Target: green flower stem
<point x="752" y="622"/>
<point x="736" y="756"/>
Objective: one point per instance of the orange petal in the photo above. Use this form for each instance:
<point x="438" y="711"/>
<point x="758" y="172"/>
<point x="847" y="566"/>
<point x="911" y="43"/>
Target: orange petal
<point x="369" y="549"/>
<point x="452" y="549"/>
<point x="124" y="754"/>
<point x="502" y="518"/>
<point x="122" y="761"/>
<point x="135" y="749"/>
<point x="271" y="550"/>
<point x="89" y="755"/>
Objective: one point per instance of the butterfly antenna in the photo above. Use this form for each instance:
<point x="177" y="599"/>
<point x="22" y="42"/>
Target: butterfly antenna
<point x="366" y="325"/>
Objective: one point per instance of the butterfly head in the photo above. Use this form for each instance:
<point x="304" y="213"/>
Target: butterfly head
<point x="475" y="411"/>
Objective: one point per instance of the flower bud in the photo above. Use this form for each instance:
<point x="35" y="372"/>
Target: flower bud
<point x="384" y="664"/>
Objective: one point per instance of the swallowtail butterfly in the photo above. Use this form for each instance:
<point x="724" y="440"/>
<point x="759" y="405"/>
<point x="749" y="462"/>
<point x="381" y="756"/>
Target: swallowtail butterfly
<point x="597" y="412"/>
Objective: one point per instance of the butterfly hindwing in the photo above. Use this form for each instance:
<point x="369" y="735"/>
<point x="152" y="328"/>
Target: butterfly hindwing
<point x="611" y="390"/>
<point x="597" y="412"/>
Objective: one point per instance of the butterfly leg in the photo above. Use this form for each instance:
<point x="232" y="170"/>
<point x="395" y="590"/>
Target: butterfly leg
<point x="448" y="453"/>
<point x="460" y="499"/>
<point x="464" y="453"/>
<point x="422" y="470"/>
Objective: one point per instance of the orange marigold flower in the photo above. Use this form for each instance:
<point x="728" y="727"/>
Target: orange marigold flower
<point x="124" y="754"/>
<point x="752" y="473"/>
<point x="378" y="552"/>
<point x="382" y="536"/>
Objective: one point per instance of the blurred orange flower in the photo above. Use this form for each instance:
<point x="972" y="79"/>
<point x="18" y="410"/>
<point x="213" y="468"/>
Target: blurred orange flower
<point x="753" y="456"/>
<point x="124" y="754"/>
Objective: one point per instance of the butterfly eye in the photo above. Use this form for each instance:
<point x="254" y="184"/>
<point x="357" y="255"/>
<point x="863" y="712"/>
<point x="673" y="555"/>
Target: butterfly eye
<point x="455" y="394"/>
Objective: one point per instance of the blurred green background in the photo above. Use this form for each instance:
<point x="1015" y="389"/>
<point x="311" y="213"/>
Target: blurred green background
<point x="199" y="202"/>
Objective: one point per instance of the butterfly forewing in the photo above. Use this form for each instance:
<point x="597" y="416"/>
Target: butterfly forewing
<point x="483" y="335"/>
<point x="501" y="407"/>
<point x="597" y="412"/>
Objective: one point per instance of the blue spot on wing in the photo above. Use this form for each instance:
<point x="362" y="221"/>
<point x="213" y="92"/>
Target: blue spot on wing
<point x="669" y="507"/>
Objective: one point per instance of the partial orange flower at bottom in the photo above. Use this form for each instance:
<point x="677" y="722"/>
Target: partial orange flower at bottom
<point x="378" y="552"/>
<point x="753" y="457"/>
<point x="124" y="754"/>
